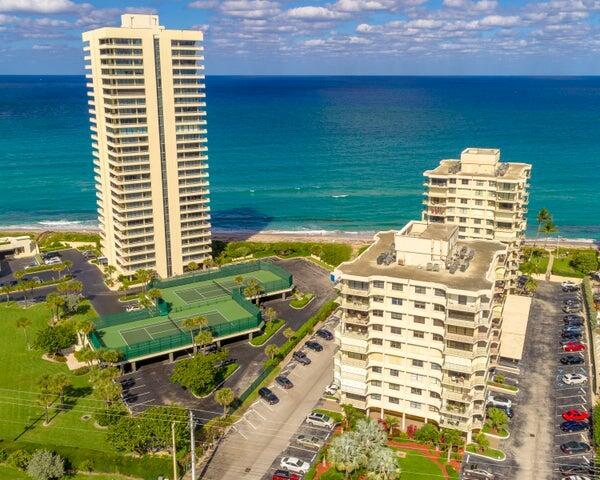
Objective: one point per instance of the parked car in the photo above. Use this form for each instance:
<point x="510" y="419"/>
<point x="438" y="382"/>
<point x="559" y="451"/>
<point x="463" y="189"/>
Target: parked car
<point x="499" y="400"/>
<point x="574" y="447"/>
<point x="31" y="265"/>
<point x="508" y="410"/>
<point x="573" y="347"/>
<point x="320" y="420"/>
<point x="283" y="382"/>
<point x="52" y="261"/>
<point x="576" y="477"/>
<point x="310" y="441"/>
<point x="324" y="334"/>
<point x="572" y="318"/>
<point x="575" y="415"/>
<point x="576" y="469"/>
<point x="574" y="379"/>
<point x="301" y="357"/>
<point x="572" y="360"/>
<point x="573" y="328"/>
<point x="571" y="335"/>
<point x="568" y="284"/>
<point x="474" y="472"/>
<point x="571" y="301"/>
<point x="574" y="321"/>
<point x="294" y="464"/>
<point x="280" y="474"/>
<point x="572" y="309"/>
<point x="315" y="346"/>
<point x="331" y="389"/>
<point x="268" y="396"/>
<point x="571" y="426"/>
<point x="133" y="307"/>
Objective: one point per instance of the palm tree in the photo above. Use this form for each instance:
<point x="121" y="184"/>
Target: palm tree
<point x="145" y="276"/>
<point x="482" y="442"/>
<point x="192" y="324"/>
<point x="383" y="464"/>
<point x="58" y="386"/>
<point x="203" y="338"/>
<point x="30" y="285"/>
<point x="108" y="356"/>
<point x="23" y="287"/>
<point x="271" y="350"/>
<point x="19" y="274"/>
<point x="496" y="419"/>
<point x="209" y="263"/>
<point x="239" y="280"/>
<point x="392" y="423"/>
<point x="154" y="293"/>
<point x="7" y="290"/>
<point x="86" y="355"/>
<point x="67" y="265"/>
<point x="108" y="390"/>
<point x="530" y="285"/>
<point x="346" y="453"/>
<point x="253" y="289"/>
<point x="270" y="314"/>
<point x="549" y="228"/>
<point x="46" y="399"/>
<point x="24" y="323"/>
<point x="144" y="301"/>
<point x="55" y="302"/>
<point x="451" y="438"/>
<point x="370" y="434"/>
<point x="224" y="397"/>
<point x="542" y="217"/>
<point x="288" y="333"/>
<point x="192" y="267"/>
<point x="58" y="268"/>
<point x="84" y="327"/>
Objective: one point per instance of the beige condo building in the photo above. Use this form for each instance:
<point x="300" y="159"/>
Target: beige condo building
<point x="486" y="198"/>
<point x="147" y="111"/>
<point x="420" y="325"/>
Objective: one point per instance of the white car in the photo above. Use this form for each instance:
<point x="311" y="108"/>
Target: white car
<point x="574" y="379"/>
<point x="568" y="284"/>
<point x="294" y="464"/>
<point x="320" y="420"/>
<point x="52" y="261"/>
<point x="576" y="477"/>
<point x="134" y="307"/>
<point x="331" y="389"/>
<point x="499" y="401"/>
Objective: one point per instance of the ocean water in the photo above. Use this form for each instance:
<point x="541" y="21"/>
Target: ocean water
<point x="320" y="153"/>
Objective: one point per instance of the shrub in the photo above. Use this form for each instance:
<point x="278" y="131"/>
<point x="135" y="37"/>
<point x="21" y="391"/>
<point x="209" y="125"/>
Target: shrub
<point x="45" y="465"/>
<point x="87" y="465"/>
<point x="3" y="455"/>
<point x="19" y="459"/>
<point x="428" y="434"/>
<point x="411" y="430"/>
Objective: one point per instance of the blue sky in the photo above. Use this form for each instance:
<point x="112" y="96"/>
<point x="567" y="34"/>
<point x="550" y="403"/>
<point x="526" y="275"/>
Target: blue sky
<point x="358" y="37"/>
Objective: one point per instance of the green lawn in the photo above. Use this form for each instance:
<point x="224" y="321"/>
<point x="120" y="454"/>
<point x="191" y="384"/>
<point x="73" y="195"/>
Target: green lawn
<point x="488" y="452"/>
<point x="300" y="300"/>
<point x="562" y="262"/>
<point x="536" y="260"/>
<point x="21" y="369"/>
<point x="7" y="472"/>
<point x="415" y="464"/>
<point x="270" y="329"/>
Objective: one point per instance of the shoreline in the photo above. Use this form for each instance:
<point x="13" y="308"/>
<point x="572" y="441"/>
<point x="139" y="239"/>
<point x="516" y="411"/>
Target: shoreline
<point x="357" y="238"/>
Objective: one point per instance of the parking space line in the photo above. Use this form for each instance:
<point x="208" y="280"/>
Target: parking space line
<point x="250" y="423"/>
<point x="264" y="418"/>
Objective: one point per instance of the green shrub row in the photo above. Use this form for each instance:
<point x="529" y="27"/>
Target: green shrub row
<point x="596" y="425"/>
<point x="146" y="467"/>
<point x="270" y="329"/>
<point x="588" y="295"/>
<point x="305" y="329"/>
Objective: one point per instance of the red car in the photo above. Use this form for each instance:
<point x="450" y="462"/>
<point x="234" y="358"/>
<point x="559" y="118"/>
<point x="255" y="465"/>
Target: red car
<point x="574" y="415"/>
<point x="285" y="475"/>
<point x="573" y="347"/>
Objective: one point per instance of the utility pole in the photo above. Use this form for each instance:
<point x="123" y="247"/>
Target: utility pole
<point x="193" y="445"/>
<point x="174" y="451"/>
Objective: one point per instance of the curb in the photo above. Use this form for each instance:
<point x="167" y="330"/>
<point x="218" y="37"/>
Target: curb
<point x="486" y="457"/>
<point x="267" y="340"/>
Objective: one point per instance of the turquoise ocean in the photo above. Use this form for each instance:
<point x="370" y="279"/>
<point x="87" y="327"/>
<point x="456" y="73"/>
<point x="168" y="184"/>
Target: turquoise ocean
<point x="342" y="154"/>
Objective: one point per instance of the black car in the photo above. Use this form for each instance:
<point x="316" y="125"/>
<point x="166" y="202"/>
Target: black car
<point x="572" y="336"/>
<point x="268" y="396"/>
<point x="570" y="288"/>
<point x="301" y="358"/>
<point x="573" y="447"/>
<point x="324" y="334"/>
<point x="572" y="360"/>
<point x="508" y="410"/>
<point x="283" y="382"/>
<point x="573" y="328"/>
<point x="316" y="346"/>
<point x="572" y="318"/>
<point x="574" y="426"/>
<point x="577" y="469"/>
<point x="574" y="323"/>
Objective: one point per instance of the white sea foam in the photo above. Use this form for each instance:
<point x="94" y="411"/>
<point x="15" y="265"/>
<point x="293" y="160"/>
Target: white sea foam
<point x="340" y="196"/>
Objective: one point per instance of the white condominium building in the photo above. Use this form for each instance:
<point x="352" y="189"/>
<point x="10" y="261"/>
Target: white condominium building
<point x="419" y="325"/>
<point x="487" y="199"/>
<point x="147" y="111"/>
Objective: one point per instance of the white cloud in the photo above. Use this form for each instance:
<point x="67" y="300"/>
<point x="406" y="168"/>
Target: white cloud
<point x="500" y="21"/>
<point x="250" y="8"/>
<point x="37" y="6"/>
<point x="362" y="5"/>
<point x="204" y="4"/>
<point x="315" y="13"/>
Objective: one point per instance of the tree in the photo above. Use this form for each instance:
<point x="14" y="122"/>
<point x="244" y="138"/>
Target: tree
<point x="482" y="442"/>
<point x="7" y="290"/>
<point x="194" y="324"/>
<point x="392" y="423"/>
<point x="224" y="397"/>
<point x="192" y="267"/>
<point x="351" y="416"/>
<point x="549" y="228"/>
<point x="200" y="373"/>
<point x="496" y="419"/>
<point x="145" y="276"/>
<point x="253" y="289"/>
<point x="209" y="263"/>
<point x="84" y="327"/>
<point x="154" y="293"/>
<point x="542" y="217"/>
<point x="67" y="265"/>
<point x="19" y="274"/>
<point x="239" y="279"/>
<point x="53" y="339"/>
<point x="451" y="438"/>
<point x="383" y="464"/>
<point x="25" y="323"/>
<point x="428" y="434"/>
<point x="530" y="285"/>
<point x="86" y="355"/>
<point x="45" y="399"/>
<point x="108" y="356"/>
<point x="370" y="434"/>
<point x="346" y="453"/>
<point x="59" y="383"/>
<point x="56" y="303"/>
<point x="584" y="262"/>
<point x="144" y="301"/>
<point x="46" y="465"/>
<point x="58" y="268"/>
<point x="109" y="271"/>
<point x="288" y="333"/>
<point x="271" y="350"/>
<point x="270" y="314"/>
<point x="203" y="338"/>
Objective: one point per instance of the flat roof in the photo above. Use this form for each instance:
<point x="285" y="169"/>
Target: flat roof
<point x="433" y="231"/>
<point x="515" y="171"/>
<point x="514" y="326"/>
<point x="473" y="279"/>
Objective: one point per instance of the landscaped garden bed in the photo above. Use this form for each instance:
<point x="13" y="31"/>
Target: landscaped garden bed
<point x="271" y="328"/>
<point x="486" y="452"/>
<point x="301" y="300"/>
<point x="575" y="262"/>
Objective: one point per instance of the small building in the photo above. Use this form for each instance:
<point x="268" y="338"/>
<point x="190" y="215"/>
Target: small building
<point x="22" y="246"/>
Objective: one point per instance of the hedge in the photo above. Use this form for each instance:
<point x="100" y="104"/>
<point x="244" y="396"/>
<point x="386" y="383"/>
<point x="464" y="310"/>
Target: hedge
<point x="146" y="467"/>
<point x="589" y="301"/>
<point x="596" y="425"/>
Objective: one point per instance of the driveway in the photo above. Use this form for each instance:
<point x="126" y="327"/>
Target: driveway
<point x="155" y="376"/>
<point x="533" y="447"/>
<point x="257" y="439"/>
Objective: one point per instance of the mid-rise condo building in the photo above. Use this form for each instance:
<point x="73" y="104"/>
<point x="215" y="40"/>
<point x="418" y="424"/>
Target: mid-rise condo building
<point x="486" y="198"/>
<point x="420" y="325"/>
<point x="147" y="111"/>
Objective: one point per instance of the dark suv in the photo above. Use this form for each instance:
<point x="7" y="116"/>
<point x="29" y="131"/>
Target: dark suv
<point x="268" y="396"/>
<point x="315" y="346"/>
<point x="301" y="358"/>
<point x="324" y="334"/>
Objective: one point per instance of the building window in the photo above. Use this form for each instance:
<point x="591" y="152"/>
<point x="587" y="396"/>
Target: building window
<point x="395" y="344"/>
<point x="420" y="305"/>
<point x="378" y="299"/>
<point x="396" y="316"/>
<point x="394" y="400"/>
<point x="377" y="341"/>
<point x="464" y="182"/>
<point x="436" y="366"/>
<point x="377" y="327"/>
<point x="415" y="377"/>
<point x="462" y="219"/>
<point x="438" y="338"/>
<point x="416" y="405"/>
<point x="417" y="363"/>
<point x="477" y="221"/>
<point x="396" y="301"/>
<point x="378" y="284"/>
<point x="376" y="396"/>
<point x="438" y="323"/>
<point x="477" y="230"/>
<point x="417" y="334"/>
<point x="480" y="183"/>
<point x="375" y="383"/>
<point x="394" y="386"/>
<point x="397" y="286"/>
<point x="377" y="313"/>
<point x="434" y="394"/>
<point x="462" y="229"/>
<point x="439" y="292"/>
<point x="376" y="369"/>
<point x="416" y="391"/>
<point x="452" y="180"/>
<point x="396" y="330"/>
<point x="418" y="319"/>
<point x="394" y="372"/>
<point x="439" y="308"/>
<point x="420" y="290"/>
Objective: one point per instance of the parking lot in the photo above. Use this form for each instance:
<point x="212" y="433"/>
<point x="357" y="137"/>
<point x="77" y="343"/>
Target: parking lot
<point x="265" y="433"/>
<point x="533" y="449"/>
